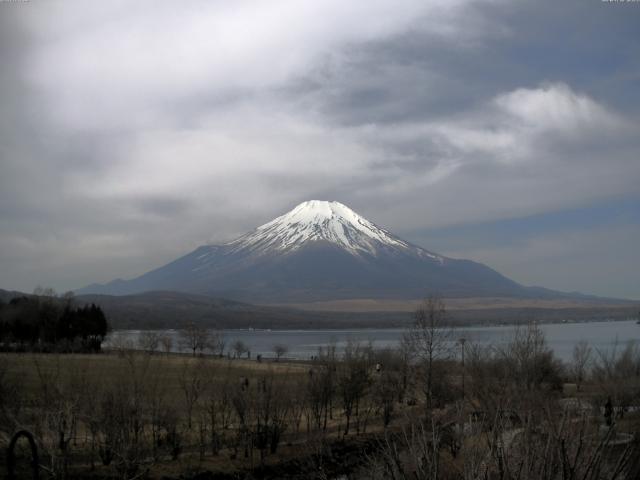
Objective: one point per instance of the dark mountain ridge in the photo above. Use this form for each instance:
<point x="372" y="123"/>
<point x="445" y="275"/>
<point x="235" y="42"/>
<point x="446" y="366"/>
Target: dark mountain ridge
<point x="168" y="310"/>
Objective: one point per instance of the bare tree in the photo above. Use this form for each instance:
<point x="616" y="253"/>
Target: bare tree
<point x="386" y="383"/>
<point x="192" y="383"/>
<point x="123" y="414"/>
<point x="194" y="338"/>
<point x="149" y="341"/>
<point x="430" y="339"/>
<point x="580" y="362"/>
<point x="530" y="359"/>
<point x="218" y="403"/>
<point x="280" y="349"/>
<point x="617" y="374"/>
<point x="216" y="343"/>
<point x="414" y="452"/>
<point x="353" y="381"/>
<point x="62" y="393"/>
<point x="269" y="409"/>
<point x="239" y="348"/>
<point x="320" y="390"/>
<point x="167" y="343"/>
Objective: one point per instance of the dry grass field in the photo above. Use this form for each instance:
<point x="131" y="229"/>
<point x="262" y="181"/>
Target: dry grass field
<point x="34" y="371"/>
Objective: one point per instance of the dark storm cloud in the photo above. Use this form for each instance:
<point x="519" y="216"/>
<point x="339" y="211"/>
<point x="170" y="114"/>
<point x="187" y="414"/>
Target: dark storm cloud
<point x="130" y="134"/>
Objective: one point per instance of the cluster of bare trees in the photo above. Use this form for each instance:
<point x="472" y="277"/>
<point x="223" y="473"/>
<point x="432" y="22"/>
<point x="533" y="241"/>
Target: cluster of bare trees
<point x="516" y="421"/>
<point x="198" y="339"/>
<point x="349" y="391"/>
<point x="554" y="446"/>
<point x="144" y="409"/>
<point x="193" y="338"/>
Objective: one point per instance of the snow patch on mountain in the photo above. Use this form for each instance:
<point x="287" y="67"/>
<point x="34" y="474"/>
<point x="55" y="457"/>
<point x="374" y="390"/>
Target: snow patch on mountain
<point x="317" y="220"/>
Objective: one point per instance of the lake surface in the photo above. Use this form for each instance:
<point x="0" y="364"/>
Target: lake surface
<point x="303" y="344"/>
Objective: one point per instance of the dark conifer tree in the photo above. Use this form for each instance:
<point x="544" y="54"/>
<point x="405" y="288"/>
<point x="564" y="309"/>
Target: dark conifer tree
<point x="51" y="323"/>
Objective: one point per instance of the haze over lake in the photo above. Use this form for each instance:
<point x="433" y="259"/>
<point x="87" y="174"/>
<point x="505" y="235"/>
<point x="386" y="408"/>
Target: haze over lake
<point x="303" y="344"/>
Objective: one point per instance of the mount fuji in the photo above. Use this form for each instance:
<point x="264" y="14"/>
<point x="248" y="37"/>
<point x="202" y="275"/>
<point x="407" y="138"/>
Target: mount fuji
<point x="320" y="251"/>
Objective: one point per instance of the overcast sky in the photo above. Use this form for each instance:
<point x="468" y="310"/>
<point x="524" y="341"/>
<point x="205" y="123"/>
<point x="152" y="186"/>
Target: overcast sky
<point x="506" y="132"/>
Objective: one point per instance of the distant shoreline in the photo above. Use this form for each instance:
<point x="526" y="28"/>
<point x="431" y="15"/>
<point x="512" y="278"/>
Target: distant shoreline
<point x="375" y="328"/>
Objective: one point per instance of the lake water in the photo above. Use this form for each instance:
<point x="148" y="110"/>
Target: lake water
<point x="303" y="344"/>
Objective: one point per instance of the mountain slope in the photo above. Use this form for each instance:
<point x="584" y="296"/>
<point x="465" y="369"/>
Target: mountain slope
<point x="319" y="251"/>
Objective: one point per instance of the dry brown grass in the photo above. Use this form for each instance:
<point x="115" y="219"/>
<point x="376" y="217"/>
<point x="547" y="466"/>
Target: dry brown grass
<point x="28" y="369"/>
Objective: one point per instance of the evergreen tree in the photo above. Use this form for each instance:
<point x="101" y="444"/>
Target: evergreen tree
<point x="49" y="322"/>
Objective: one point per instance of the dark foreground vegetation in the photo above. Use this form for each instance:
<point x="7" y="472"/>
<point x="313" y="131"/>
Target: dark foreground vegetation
<point x="44" y="322"/>
<point x="437" y="408"/>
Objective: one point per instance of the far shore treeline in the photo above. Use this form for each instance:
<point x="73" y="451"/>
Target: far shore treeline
<point x="44" y="322"/>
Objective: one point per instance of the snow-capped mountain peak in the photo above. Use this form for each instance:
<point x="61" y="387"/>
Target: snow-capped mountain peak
<point x="317" y="220"/>
<point x="317" y="251"/>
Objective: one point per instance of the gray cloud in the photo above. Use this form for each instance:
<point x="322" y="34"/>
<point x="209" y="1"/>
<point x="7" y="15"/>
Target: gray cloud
<point x="131" y="134"/>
